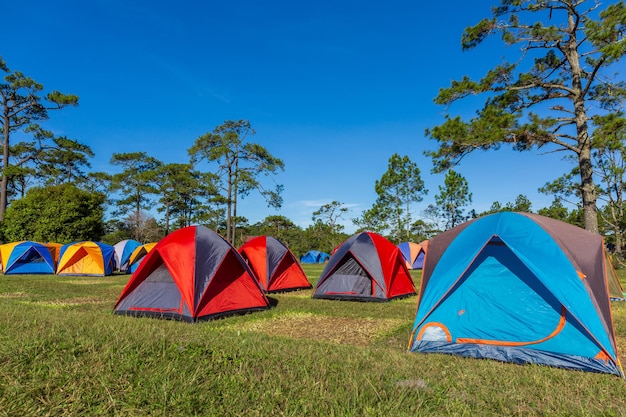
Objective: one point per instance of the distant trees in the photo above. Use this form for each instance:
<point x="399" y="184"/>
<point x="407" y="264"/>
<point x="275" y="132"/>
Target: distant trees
<point x="397" y="189"/>
<point x="21" y="106"/>
<point x="521" y="204"/>
<point x="325" y="232"/>
<point x="452" y="199"/>
<point x="239" y="166"/>
<point x="609" y="155"/>
<point x="330" y="214"/>
<point x="374" y="219"/>
<point x="60" y="213"/>
<point x="549" y="95"/>
<point x="135" y="183"/>
<point x="184" y="194"/>
<point x="64" y="161"/>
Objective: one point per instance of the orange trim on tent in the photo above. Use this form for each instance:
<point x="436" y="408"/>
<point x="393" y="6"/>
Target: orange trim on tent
<point x="435" y="324"/>
<point x="602" y="356"/>
<point x="556" y="331"/>
<point x="606" y="283"/>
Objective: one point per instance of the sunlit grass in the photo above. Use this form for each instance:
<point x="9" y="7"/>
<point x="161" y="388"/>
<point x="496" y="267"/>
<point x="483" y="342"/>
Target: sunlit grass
<point x="63" y="352"/>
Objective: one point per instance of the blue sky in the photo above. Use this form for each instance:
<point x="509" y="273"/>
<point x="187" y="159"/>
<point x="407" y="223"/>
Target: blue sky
<point x="333" y="88"/>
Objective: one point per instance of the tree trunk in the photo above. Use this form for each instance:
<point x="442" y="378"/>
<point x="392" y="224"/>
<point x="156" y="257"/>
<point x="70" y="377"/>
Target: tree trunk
<point x="233" y="224"/>
<point x="137" y="216"/>
<point x="229" y="205"/>
<point x="588" y="189"/>
<point x="4" y="184"/>
<point x="167" y="218"/>
<point x="618" y="242"/>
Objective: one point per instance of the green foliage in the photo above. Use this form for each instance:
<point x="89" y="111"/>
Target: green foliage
<point x="278" y="227"/>
<point x="521" y="204"/>
<point x="329" y="214"/>
<point x="239" y="166"/>
<point x="64" y="161"/>
<point x="115" y="231"/>
<point x="453" y="196"/>
<point x="185" y="194"/>
<point x="551" y="93"/>
<point x="375" y="219"/>
<point x="135" y="184"/>
<point x="22" y="105"/>
<point x="555" y="211"/>
<point x="399" y="187"/>
<point x="61" y="213"/>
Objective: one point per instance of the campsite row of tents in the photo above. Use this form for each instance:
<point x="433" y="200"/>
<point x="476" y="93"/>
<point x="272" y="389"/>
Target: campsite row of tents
<point x="78" y="258"/>
<point x="513" y="287"/>
<point x="195" y="274"/>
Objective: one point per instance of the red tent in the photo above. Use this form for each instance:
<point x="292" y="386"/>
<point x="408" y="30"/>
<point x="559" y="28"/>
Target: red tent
<point x="274" y="265"/>
<point x="366" y="267"/>
<point x="191" y="274"/>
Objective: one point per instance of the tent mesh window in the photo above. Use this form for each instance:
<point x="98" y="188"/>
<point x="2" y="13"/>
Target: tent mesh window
<point x="350" y="278"/>
<point x="31" y="256"/>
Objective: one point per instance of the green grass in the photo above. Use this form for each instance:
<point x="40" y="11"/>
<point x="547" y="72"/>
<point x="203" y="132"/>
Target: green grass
<point x="63" y="352"/>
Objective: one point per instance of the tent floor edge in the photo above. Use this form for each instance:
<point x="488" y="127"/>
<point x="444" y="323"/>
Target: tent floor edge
<point x="292" y="289"/>
<point x="155" y="315"/>
<point x="350" y="298"/>
<point x="226" y="314"/>
<point x="517" y="356"/>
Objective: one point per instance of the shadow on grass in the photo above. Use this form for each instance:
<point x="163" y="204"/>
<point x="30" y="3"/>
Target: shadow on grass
<point x="273" y="301"/>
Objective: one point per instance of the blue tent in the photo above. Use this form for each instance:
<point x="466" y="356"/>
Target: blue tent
<point x="520" y="288"/>
<point x="26" y="258"/>
<point x="413" y="253"/>
<point x="314" y="257"/>
<point x="123" y="250"/>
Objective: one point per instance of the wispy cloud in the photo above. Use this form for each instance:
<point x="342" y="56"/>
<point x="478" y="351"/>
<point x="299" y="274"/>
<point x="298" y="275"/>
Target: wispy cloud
<point x="319" y="203"/>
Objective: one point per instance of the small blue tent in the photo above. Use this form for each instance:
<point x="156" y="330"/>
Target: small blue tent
<point x="26" y="258"/>
<point x="123" y="251"/>
<point x="314" y="257"/>
<point x="413" y="253"/>
<point x="521" y="288"/>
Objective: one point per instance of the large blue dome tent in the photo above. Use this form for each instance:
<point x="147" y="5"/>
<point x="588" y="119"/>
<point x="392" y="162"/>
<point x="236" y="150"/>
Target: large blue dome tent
<point x="520" y="288"/>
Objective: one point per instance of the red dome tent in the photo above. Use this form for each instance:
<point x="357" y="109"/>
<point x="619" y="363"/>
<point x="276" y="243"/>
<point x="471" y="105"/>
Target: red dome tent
<point x="366" y="267"/>
<point x="191" y="274"/>
<point x="274" y="265"/>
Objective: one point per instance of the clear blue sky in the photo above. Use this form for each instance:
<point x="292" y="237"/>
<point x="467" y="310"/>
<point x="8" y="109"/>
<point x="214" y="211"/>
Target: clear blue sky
<point x="333" y="88"/>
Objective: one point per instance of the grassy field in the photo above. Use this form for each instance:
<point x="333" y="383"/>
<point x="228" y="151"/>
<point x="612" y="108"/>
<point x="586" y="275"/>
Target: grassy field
<point x="63" y="352"/>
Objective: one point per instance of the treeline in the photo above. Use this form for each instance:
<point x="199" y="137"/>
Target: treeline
<point x="48" y="193"/>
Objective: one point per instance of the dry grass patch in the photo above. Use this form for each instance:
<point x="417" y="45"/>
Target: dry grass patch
<point x="66" y="303"/>
<point x="294" y="294"/>
<point x="87" y="281"/>
<point x="339" y="330"/>
<point x="12" y="295"/>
